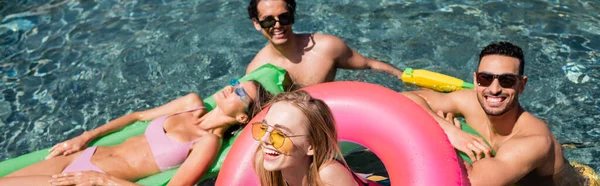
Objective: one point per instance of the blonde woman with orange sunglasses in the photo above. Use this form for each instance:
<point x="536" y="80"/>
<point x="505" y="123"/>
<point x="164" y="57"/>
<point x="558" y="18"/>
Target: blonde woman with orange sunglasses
<point x="298" y="144"/>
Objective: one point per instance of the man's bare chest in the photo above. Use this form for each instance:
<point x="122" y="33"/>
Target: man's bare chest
<point x="310" y="72"/>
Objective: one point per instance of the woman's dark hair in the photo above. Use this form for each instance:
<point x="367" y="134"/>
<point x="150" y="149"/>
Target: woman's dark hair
<point x="262" y="97"/>
<point x="253" y="8"/>
<point x="505" y="49"/>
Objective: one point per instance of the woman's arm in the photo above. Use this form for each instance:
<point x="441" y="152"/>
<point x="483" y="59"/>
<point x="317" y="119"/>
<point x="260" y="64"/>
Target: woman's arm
<point x="189" y="101"/>
<point x="200" y="159"/>
<point x="80" y="142"/>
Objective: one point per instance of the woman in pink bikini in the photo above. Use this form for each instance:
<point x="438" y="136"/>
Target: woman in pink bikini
<point x="181" y="134"/>
<point x="298" y="144"/>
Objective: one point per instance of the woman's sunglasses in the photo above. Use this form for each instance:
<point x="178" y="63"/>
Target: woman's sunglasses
<point x="240" y="92"/>
<point x="505" y="80"/>
<point x="284" y="19"/>
<point x="278" y="139"/>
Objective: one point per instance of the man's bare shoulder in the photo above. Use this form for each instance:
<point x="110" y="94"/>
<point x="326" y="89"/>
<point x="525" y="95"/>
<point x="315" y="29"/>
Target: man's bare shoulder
<point x="261" y="58"/>
<point x="531" y="125"/>
<point x="326" y="38"/>
<point x="328" y="42"/>
<point x="264" y="53"/>
<point x="531" y="133"/>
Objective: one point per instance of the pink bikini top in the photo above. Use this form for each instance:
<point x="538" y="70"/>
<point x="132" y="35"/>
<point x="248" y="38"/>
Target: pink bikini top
<point x="167" y="153"/>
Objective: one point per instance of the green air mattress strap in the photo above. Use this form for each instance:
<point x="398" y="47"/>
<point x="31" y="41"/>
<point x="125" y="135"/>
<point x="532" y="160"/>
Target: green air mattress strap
<point x="272" y="78"/>
<point x="467" y="128"/>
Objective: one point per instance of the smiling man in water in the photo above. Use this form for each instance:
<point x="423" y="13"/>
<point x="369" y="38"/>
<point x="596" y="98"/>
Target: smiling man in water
<point x="308" y="58"/>
<point x="526" y="151"/>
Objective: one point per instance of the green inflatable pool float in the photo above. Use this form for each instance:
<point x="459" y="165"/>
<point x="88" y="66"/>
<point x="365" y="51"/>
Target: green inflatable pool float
<point x="467" y="128"/>
<point x="272" y="78"/>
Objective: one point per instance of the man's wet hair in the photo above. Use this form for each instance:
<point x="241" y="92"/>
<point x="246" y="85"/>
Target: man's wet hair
<point x="253" y="8"/>
<point x="505" y="49"/>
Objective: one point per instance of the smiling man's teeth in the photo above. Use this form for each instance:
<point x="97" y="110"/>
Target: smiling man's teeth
<point x="494" y="99"/>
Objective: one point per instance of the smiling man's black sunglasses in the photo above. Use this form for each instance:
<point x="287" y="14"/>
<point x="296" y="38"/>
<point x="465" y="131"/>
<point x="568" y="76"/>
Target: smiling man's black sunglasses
<point x="505" y="80"/>
<point x="284" y="19"/>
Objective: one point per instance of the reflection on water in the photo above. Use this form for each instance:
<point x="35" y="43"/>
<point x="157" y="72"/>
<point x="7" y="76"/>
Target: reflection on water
<point x="69" y="66"/>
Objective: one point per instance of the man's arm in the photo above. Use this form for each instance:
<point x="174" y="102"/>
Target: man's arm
<point x="512" y="162"/>
<point x="348" y="58"/>
<point x="445" y="102"/>
<point x="427" y="99"/>
<point x="472" y="145"/>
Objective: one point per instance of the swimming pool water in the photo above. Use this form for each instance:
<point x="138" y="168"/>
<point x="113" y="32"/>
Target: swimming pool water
<point x="69" y="66"/>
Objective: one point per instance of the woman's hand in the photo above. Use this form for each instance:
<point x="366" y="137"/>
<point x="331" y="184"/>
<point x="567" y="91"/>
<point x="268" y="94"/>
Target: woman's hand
<point x="70" y="146"/>
<point x="86" y="178"/>
<point x="470" y="144"/>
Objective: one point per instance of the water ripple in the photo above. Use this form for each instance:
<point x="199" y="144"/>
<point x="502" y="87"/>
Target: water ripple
<point x="68" y="65"/>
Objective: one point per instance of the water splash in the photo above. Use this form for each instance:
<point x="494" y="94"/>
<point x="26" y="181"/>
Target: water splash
<point x="576" y="73"/>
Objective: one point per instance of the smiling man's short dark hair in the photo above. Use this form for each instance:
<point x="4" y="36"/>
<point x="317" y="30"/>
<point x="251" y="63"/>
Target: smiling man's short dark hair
<point x="505" y="49"/>
<point x="253" y="8"/>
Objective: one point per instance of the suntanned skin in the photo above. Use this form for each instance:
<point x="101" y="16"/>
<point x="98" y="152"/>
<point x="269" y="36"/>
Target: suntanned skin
<point x="295" y="164"/>
<point x="527" y="153"/>
<point x="133" y="159"/>
<point x="308" y="58"/>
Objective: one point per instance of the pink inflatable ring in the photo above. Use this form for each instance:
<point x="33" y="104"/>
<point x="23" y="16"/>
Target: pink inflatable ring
<point x="411" y="145"/>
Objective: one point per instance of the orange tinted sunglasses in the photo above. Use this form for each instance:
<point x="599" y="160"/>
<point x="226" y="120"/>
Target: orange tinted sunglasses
<point x="278" y="139"/>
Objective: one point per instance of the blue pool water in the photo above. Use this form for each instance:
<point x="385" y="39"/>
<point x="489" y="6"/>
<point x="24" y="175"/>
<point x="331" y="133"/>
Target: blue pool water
<point x="70" y="66"/>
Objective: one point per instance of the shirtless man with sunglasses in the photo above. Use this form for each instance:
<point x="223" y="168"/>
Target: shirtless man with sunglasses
<point x="308" y="58"/>
<point x="526" y="152"/>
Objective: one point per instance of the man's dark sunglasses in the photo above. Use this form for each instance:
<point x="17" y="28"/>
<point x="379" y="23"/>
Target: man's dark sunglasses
<point x="284" y="19"/>
<point x="505" y="80"/>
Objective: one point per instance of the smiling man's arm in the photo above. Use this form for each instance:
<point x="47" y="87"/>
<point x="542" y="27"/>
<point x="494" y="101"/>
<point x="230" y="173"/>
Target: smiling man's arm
<point x="515" y="159"/>
<point x="348" y="58"/>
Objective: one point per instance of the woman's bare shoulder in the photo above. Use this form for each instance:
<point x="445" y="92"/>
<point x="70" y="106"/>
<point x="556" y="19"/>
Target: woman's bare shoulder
<point x="335" y="173"/>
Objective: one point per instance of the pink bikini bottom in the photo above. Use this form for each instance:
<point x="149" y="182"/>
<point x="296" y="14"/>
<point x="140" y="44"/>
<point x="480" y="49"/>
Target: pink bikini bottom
<point x="83" y="162"/>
